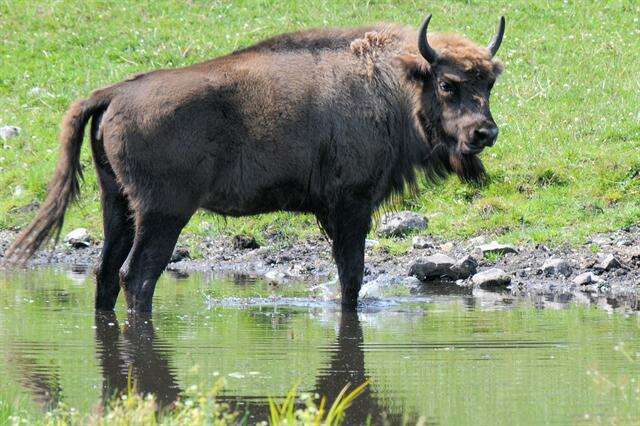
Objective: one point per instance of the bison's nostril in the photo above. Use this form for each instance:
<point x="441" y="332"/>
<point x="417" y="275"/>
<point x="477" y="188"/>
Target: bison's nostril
<point x="486" y="136"/>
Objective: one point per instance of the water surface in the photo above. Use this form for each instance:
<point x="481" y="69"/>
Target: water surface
<point x="466" y="358"/>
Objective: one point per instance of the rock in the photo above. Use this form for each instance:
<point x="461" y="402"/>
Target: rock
<point x="493" y="277"/>
<point x="277" y="277"/>
<point x="8" y="132"/>
<point x="371" y="243"/>
<point x="372" y="289"/>
<point x="433" y="267"/>
<point x="401" y="223"/>
<point x="180" y="253"/>
<point x="78" y="238"/>
<point x="245" y="242"/>
<point x="607" y="263"/>
<point x="495" y="247"/>
<point x="557" y="266"/>
<point x="476" y="241"/>
<point x="37" y="91"/>
<point x="408" y="282"/>
<point x="329" y="290"/>
<point x="587" y="278"/>
<point x="420" y="242"/>
<point x="465" y="267"/>
<point x="447" y="247"/>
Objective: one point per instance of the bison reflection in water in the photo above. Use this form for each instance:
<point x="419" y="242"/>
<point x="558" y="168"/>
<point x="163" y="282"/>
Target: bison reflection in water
<point x="330" y="122"/>
<point x="133" y="357"/>
<point x="136" y="352"/>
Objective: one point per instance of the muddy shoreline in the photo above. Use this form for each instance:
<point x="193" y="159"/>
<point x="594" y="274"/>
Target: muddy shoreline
<point x="310" y="261"/>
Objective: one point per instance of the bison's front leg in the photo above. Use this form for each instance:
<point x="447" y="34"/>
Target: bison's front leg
<point x="348" y="229"/>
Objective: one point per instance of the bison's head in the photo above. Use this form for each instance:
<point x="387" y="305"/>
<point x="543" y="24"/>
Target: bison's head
<point x="454" y="78"/>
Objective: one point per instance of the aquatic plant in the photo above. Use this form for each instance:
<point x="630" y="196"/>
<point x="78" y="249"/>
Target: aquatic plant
<point x="312" y="414"/>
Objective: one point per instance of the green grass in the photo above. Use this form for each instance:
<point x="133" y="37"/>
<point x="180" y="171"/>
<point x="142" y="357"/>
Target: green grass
<point x="566" y="165"/>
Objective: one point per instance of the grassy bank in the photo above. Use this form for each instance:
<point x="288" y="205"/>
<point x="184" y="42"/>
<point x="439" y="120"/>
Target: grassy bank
<point x="567" y="163"/>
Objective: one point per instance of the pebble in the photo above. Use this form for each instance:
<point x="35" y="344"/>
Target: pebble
<point x="432" y="267"/>
<point x="8" y="132"/>
<point x="493" y="277"/>
<point x="420" y="242"/>
<point x="557" y="266"/>
<point x="401" y="223"/>
<point x="495" y="247"/>
<point x="447" y="247"/>
<point x="465" y="267"/>
<point x="607" y="262"/>
<point x="78" y="238"/>
<point x="371" y="243"/>
<point x="37" y="91"/>
<point x="586" y="278"/>
<point x="277" y="277"/>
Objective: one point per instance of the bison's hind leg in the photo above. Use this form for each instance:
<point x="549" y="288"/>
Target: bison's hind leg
<point x="155" y="238"/>
<point x="118" y="227"/>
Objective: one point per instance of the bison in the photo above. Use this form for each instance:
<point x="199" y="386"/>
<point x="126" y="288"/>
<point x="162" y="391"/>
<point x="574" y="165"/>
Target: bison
<point x="330" y="122"/>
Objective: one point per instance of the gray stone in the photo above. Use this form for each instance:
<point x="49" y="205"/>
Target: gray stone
<point x="587" y="278"/>
<point x="465" y="267"/>
<point x="495" y="247"/>
<point x="8" y="132"/>
<point x="607" y="262"/>
<point x="37" y="91"/>
<point x="490" y="278"/>
<point x="78" y="238"/>
<point x="420" y="242"/>
<point x="476" y="241"/>
<point x="557" y="266"/>
<point x="447" y="247"/>
<point x="408" y="282"/>
<point x="371" y="243"/>
<point x="401" y="223"/>
<point x="277" y="277"/>
<point x="180" y="253"/>
<point x="433" y="267"/>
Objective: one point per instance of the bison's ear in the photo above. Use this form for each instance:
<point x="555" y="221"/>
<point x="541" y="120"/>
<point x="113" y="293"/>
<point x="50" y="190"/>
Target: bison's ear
<point x="415" y="67"/>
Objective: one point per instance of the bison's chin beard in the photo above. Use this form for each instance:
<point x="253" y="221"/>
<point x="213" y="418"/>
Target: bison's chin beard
<point x="468" y="167"/>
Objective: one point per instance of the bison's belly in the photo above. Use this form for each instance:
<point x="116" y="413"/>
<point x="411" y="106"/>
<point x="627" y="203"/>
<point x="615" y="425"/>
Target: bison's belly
<point x="258" y="195"/>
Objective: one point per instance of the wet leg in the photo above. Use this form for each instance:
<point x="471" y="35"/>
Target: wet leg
<point x="155" y="238"/>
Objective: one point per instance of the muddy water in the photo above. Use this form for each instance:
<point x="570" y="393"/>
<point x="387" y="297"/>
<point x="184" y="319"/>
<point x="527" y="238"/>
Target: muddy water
<point x="447" y="358"/>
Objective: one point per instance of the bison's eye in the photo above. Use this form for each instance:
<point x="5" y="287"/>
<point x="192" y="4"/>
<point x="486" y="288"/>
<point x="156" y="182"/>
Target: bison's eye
<point x="446" y="87"/>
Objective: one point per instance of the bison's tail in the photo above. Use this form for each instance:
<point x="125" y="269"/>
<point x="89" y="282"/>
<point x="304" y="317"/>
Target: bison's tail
<point x="65" y="185"/>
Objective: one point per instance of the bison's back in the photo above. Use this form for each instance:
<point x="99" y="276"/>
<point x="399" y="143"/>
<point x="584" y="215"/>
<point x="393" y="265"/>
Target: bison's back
<point x="269" y="127"/>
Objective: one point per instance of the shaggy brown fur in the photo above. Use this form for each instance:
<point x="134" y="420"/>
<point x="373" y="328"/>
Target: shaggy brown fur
<point x="328" y="122"/>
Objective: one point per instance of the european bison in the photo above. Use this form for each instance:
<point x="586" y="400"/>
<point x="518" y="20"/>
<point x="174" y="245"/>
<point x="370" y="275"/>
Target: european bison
<point x="327" y="121"/>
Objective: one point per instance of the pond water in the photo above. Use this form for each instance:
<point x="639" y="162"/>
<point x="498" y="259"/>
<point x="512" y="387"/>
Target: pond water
<point x="467" y="358"/>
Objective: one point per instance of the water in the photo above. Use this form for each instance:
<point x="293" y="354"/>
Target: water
<point x="447" y="358"/>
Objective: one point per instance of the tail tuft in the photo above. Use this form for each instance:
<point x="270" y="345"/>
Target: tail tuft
<point x="63" y="189"/>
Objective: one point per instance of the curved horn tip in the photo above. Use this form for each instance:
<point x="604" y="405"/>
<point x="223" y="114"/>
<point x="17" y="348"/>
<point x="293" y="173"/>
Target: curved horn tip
<point x="497" y="39"/>
<point x="423" y="44"/>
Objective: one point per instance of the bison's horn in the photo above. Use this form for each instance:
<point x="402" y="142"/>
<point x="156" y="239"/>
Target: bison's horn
<point x="497" y="39"/>
<point x="423" y="45"/>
